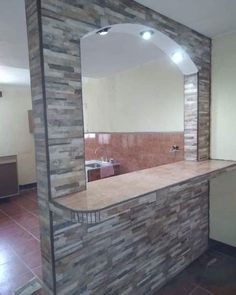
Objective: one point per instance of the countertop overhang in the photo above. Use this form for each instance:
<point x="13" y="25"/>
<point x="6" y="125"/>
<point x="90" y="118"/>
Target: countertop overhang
<point x="109" y="192"/>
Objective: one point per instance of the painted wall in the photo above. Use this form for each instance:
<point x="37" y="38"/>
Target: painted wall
<point x="223" y="138"/>
<point x="223" y="208"/>
<point x="15" y="138"/>
<point x="149" y="98"/>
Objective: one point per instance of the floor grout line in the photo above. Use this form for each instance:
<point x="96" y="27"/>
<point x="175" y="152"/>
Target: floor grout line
<point x="27" y="210"/>
<point x="191" y="292"/>
<point x="206" y="290"/>
<point x="29" y="269"/>
<point x="13" y="219"/>
<point x="224" y="254"/>
<point x="23" y="228"/>
<point x="25" y="264"/>
<point x="195" y="286"/>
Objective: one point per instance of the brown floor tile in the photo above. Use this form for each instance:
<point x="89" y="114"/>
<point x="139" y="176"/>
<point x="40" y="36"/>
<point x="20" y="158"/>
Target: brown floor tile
<point x="36" y="232"/>
<point x="11" y="270"/>
<point x="33" y="259"/>
<point x="37" y="272"/>
<point x="7" y="255"/>
<point x="8" y="287"/>
<point x="27" y="247"/>
<point x="19" y="249"/>
<point x="181" y="285"/>
<point x="213" y="273"/>
<point x="200" y="291"/>
<point x="12" y="208"/>
<point x="219" y="276"/>
<point x="27" y="220"/>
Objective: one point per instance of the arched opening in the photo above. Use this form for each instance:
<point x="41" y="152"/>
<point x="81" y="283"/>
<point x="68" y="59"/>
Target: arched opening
<point x="162" y="41"/>
<point x="136" y="85"/>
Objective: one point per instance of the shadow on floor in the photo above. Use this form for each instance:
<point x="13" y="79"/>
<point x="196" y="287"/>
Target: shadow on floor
<point x="213" y="273"/>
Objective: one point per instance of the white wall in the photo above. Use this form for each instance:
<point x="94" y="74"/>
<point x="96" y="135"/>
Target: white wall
<point x="223" y="139"/>
<point x="223" y="136"/>
<point x="223" y="209"/>
<point x="148" y="98"/>
<point x="15" y="138"/>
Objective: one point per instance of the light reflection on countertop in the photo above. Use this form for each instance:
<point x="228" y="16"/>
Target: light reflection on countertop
<point x="111" y="191"/>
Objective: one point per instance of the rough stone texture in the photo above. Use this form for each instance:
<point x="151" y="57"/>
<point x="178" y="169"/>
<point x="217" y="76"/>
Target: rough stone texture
<point x="136" y="249"/>
<point x="64" y="22"/>
<point x="41" y="146"/>
<point x="80" y="212"/>
<point x="191" y="117"/>
<point x="204" y="89"/>
<point x="134" y="252"/>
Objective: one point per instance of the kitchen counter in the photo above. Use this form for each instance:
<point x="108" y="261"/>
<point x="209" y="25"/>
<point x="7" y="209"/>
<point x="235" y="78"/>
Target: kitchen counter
<point x="106" y="193"/>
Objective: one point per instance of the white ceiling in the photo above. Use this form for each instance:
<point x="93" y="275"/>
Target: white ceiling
<point x="115" y="52"/>
<point x="105" y="55"/>
<point x="209" y="17"/>
<point x="123" y="48"/>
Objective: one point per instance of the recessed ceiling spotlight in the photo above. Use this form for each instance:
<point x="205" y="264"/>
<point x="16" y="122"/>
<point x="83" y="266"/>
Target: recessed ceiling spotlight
<point x="103" y="31"/>
<point x="147" y="35"/>
<point x="177" y="57"/>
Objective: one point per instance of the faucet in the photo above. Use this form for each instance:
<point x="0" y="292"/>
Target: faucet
<point x="104" y="150"/>
<point x="174" y="149"/>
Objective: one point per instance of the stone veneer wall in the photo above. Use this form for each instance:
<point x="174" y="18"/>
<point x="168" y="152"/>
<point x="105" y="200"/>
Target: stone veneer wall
<point x="62" y="24"/>
<point x="41" y="145"/>
<point x="137" y="247"/>
<point x="54" y="30"/>
<point x="191" y="117"/>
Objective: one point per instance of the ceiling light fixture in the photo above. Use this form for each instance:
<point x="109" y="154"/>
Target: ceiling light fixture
<point x="103" y="31"/>
<point x="177" y="57"/>
<point x="147" y="35"/>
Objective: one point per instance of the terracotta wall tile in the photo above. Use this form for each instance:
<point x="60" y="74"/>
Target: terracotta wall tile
<point x="136" y="151"/>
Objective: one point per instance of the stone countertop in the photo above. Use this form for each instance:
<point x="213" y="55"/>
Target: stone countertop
<point x="112" y="191"/>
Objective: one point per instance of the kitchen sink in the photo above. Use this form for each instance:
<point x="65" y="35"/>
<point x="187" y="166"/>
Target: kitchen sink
<point x="94" y="165"/>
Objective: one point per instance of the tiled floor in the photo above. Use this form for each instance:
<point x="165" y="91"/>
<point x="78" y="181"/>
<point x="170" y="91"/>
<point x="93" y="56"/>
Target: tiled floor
<point x="19" y="242"/>
<point x="212" y="274"/>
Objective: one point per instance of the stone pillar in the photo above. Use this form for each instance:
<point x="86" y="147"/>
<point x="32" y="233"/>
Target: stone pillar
<point x="56" y="46"/>
<point x="191" y="117"/>
<point x="58" y="120"/>
<point x="204" y="111"/>
<point x="41" y="143"/>
<point x="54" y="31"/>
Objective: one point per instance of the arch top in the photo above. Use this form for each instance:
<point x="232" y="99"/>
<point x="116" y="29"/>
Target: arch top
<point x="161" y="40"/>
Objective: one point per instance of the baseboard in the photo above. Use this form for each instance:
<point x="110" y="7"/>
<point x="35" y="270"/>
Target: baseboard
<point x="28" y="186"/>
